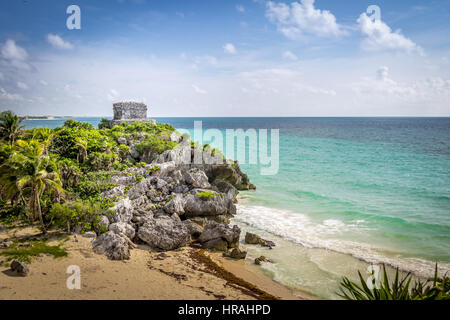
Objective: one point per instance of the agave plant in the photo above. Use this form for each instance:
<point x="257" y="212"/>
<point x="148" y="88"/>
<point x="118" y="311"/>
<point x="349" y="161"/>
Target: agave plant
<point x="432" y="289"/>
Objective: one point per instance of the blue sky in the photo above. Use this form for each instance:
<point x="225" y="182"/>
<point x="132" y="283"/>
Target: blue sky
<point x="227" y="58"/>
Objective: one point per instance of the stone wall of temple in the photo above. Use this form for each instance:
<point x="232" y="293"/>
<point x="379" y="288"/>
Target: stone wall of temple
<point x="130" y="111"/>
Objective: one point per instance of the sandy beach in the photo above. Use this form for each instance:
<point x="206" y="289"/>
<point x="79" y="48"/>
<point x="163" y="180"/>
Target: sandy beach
<point x="174" y="275"/>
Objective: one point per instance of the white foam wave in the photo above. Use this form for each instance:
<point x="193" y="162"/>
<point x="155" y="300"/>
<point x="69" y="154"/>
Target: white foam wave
<point x="298" y="228"/>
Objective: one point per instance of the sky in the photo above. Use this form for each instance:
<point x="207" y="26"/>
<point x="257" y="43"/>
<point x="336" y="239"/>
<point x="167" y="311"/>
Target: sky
<point x="213" y="58"/>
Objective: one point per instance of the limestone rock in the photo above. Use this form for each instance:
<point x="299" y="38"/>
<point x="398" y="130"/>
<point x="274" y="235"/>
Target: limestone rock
<point x="123" y="211"/>
<point x="104" y="221"/>
<point x="252" y="238"/>
<point x="175" y="205"/>
<point x="122" y="227"/>
<point x="89" y="234"/>
<point x="214" y="230"/>
<point x="123" y="180"/>
<point x="122" y="140"/>
<point x="197" y="179"/>
<point x="195" y="230"/>
<point x="217" y="204"/>
<point x="19" y="268"/>
<point x="216" y="244"/>
<point x="114" y="193"/>
<point x="261" y="259"/>
<point x="114" y="246"/>
<point x="166" y="233"/>
<point x="236" y="253"/>
<point x="226" y="188"/>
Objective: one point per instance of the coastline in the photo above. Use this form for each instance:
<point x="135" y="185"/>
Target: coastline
<point x="147" y="275"/>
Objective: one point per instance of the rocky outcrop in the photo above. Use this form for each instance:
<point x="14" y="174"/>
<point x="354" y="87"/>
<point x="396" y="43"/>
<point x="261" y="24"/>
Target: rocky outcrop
<point x="262" y="259"/>
<point x="231" y="173"/>
<point x="196" y="178"/>
<point x="251" y="238"/>
<point x="219" y="236"/>
<point x="123" y="227"/>
<point x="123" y="180"/>
<point x="113" y="245"/>
<point x="175" y="202"/>
<point x="114" y="193"/>
<point x="175" y="205"/>
<point x="203" y="202"/>
<point x="123" y="211"/>
<point x="235" y="253"/>
<point x="166" y="233"/>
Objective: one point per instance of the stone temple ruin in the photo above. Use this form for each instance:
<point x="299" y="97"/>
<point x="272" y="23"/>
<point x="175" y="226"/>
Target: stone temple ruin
<point x="129" y="112"/>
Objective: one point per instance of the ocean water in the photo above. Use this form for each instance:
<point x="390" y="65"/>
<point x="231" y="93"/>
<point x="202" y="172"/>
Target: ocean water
<point x="349" y="192"/>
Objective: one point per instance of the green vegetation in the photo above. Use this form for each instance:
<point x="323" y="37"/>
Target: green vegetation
<point x="10" y="127"/>
<point x="83" y="214"/>
<point x="56" y="176"/>
<point x="205" y="196"/>
<point x="155" y="145"/>
<point x="154" y="169"/>
<point x="432" y="289"/>
<point x="25" y="251"/>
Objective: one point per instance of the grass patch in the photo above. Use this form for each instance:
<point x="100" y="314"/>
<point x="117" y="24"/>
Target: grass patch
<point x="25" y="253"/>
<point x="205" y="195"/>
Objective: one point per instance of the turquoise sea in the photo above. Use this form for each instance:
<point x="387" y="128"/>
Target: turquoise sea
<point x="349" y="192"/>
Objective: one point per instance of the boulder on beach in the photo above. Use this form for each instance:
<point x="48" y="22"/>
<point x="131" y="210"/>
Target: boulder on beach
<point x="217" y="231"/>
<point x="164" y="232"/>
<point x="235" y="253"/>
<point x="19" y="268"/>
<point x="113" y="245"/>
<point x="261" y="259"/>
<point x="251" y="238"/>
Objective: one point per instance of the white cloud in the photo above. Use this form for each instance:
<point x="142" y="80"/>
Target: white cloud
<point x="419" y="92"/>
<point x="289" y="55"/>
<point x="22" y="85"/>
<point x="58" y="42"/>
<point x="43" y="82"/>
<point x="112" y="95"/>
<point x="11" y="51"/>
<point x="240" y="8"/>
<point x="198" y="90"/>
<point x="302" y="18"/>
<point x="380" y="37"/>
<point x="14" y="55"/>
<point x="229" y="48"/>
<point x="10" y="96"/>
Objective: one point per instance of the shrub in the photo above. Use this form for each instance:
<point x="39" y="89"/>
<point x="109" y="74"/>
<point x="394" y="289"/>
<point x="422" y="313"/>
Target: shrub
<point x="124" y="151"/>
<point x="205" y="196"/>
<point x="85" y="214"/>
<point x="155" y="144"/>
<point x="153" y="170"/>
<point x="104" y="124"/>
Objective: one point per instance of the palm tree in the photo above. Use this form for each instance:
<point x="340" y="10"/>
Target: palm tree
<point x="82" y="150"/>
<point x="36" y="174"/>
<point x="10" y="126"/>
